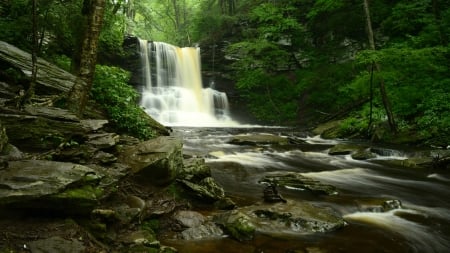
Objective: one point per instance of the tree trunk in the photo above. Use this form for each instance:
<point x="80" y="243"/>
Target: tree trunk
<point x="78" y="96"/>
<point x="384" y="97"/>
<point x="30" y="91"/>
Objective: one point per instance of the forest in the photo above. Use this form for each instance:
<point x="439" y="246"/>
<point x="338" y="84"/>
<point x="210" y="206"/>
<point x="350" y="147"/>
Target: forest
<point x="379" y="67"/>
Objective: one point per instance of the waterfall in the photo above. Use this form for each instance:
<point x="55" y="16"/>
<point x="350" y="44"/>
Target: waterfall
<point x="173" y="93"/>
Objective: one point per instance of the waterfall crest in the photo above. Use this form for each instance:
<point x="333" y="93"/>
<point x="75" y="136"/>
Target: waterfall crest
<point x="173" y="93"/>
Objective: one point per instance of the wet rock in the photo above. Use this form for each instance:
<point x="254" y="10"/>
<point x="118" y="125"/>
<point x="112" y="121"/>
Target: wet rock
<point x="392" y="204"/>
<point x="140" y="237"/>
<point x="237" y="224"/>
<point x="294" y="180"/>
<point x="159" y="207"/>
<point x="157" y="160"/>
<point x="189" y="219"/>
<point x="292" y="217"/>
<point x="207" y="230"/>
<point x="225" y="204"/>
<point x="56" y="244"/>
<point x="343" y="149"/>
<point x="207" y="189"/>
<point x="194" y="169"/>
<point x="363" y="154"/>
<point x="259" y="139"/>
<point x="271" y="194"/>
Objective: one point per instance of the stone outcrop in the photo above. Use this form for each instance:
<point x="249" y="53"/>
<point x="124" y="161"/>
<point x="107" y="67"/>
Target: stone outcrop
<point x="157" y="160"/>
<point x="41" y="128"/>
<point x="50" y="185"/>
<point x="50" y="79"/>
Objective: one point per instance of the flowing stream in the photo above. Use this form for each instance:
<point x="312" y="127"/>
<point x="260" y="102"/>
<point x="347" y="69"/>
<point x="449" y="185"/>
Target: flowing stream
<point x="422" y="224"/>
<point x="174" y="95"/>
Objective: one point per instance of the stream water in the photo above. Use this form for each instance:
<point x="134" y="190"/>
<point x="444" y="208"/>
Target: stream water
<point x="422" y="224"/>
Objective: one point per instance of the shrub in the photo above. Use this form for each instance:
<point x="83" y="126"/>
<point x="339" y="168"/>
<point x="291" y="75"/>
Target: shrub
<point x="110" y="90"/>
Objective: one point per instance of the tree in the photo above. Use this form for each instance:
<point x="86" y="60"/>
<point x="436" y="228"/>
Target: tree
<point x="30" y="91"/>
<point x="384" y="97"/>
<point x="77" y="99"/>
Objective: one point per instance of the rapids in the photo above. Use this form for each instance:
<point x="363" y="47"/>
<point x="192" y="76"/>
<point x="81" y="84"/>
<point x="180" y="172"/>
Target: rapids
<point x="422" y="224"/>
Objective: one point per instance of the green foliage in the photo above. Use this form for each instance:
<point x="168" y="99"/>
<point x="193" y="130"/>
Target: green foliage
<point x="111" y="90"/>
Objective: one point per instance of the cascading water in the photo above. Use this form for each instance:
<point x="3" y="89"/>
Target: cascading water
<point x="173" y="93"/>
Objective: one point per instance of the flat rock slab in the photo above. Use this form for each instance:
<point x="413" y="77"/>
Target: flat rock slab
<point x="258" y="139"/>
<point x="297" y="181"/>
<point x="30" y="179"/>
<point x="293" y="218"/>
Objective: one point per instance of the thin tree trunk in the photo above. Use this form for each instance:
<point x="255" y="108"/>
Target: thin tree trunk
<point x="384" y="97"/>
<point x="78" y="96"/>
<point x="30" y="91"/>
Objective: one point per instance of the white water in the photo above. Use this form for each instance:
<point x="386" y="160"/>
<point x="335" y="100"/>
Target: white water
<point x="174" y="94"/>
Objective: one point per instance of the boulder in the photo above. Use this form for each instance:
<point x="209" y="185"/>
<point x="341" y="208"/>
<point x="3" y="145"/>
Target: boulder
<point x="292" y="180"/>
<point x="292" y="217"/>
<point x="207" y="230"/>
<point x="157" y="160"/>
<point x="35" y="130"/>
<point x="194" y="169"/>
<point x="258" y="139"/>
<point x="49" y="185"/>
<point x="343" y="149"/>
<point x="50" y="79"/>
<point x="57" y="244"/>
<point x="237" y="224"/>
<point x="206" y="189"/>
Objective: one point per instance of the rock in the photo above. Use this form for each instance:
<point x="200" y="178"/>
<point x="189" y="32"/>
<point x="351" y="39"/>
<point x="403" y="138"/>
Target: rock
<point x="50" y="79"/>
<point x="363" y="154"/>
<point x="49" y="185"/>
<point x="392" y="204"/>
<point x="189" y="219"/>
<point x="103" y="140"/>
<point x="160" y="207"/>
<point x="157" y="160"/>
<point x="207" y="189"/>
<point x="343" y="149"/>
<point x="51" y="113"/>
<point x="271" y="194"/>
<point x="208" y="230"/>
<point x="135" y="202"/>
<point x="3" y="138"/>
<point x="258" y="139"/>
<point x="140" y="237"/>
<point x="56" y="244"/>
<point x="93" y="124"/>
<point x="225" y="204"/>
<point x="237" y="224"/>
<point x="292" y="180"/>
<point x="34" y="132"/>
<point x="194" y="169"/>
<point x="292" y="217"/>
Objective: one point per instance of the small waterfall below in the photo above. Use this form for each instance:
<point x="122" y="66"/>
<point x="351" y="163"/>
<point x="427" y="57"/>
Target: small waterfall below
<point x="173" y="93"/>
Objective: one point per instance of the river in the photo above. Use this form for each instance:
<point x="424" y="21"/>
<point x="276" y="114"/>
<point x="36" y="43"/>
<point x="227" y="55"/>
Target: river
<point x="422" y="224"/>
